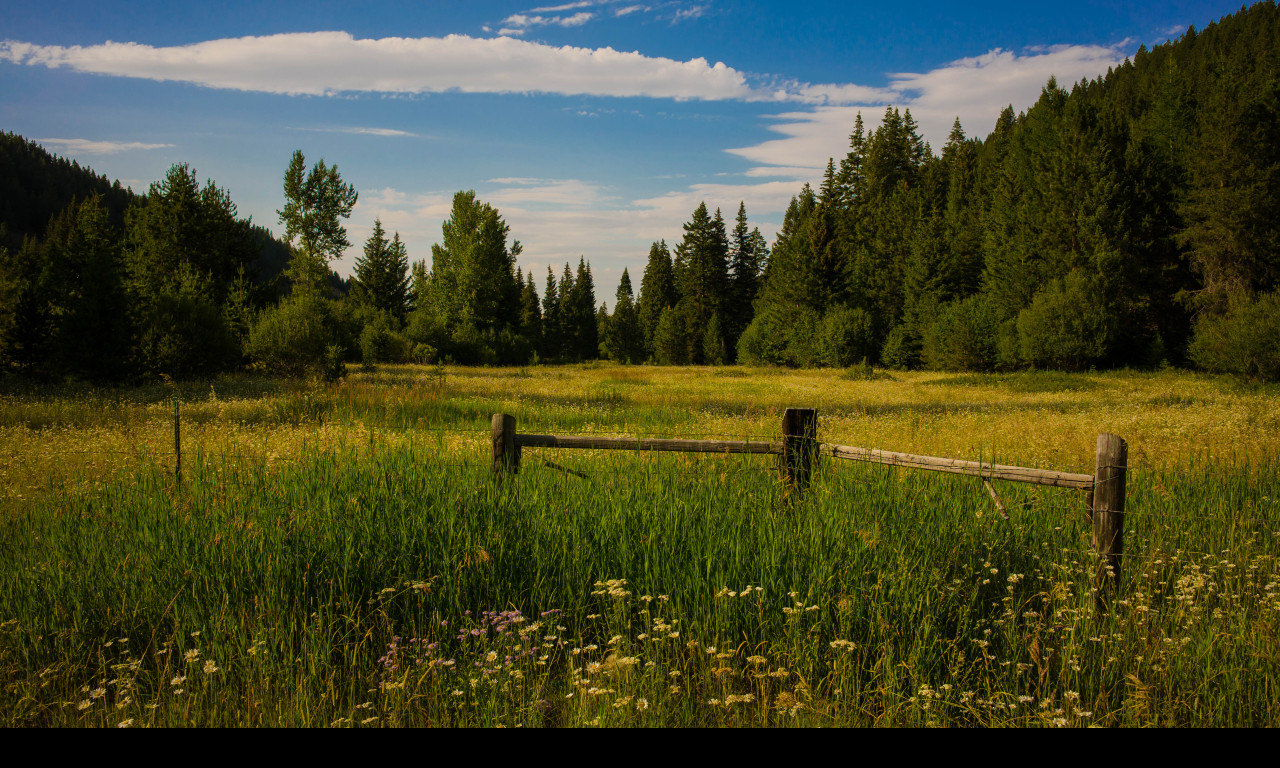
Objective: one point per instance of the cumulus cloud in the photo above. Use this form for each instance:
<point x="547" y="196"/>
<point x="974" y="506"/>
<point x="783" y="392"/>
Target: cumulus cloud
<point x="975" y="89"/>
<point x="324" y="63"/>
<point x="92" y="147"/>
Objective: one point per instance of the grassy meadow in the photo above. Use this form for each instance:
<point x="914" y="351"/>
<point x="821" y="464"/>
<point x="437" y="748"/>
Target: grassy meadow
<point x="342" y="554"/>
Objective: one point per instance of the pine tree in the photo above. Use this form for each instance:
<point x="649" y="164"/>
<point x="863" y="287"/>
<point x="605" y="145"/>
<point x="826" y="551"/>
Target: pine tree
<point x="624" y="340"/>
<point x="552" y="336"/>
<point x="382" y="273"/>
<point x="657" y="292"/>
<point x="570" y="317"/>
<point x="701" y="270"/>
<point x="530" y="314"/>
<point x="747" y="254"/>
<point x="583" y="300"/>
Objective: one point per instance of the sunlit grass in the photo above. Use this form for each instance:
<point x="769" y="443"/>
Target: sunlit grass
<point x="331" y="553"/>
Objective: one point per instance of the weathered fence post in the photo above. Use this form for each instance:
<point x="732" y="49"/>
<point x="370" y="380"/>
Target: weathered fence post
<point x="506" y="454"/>
<point x="799" y="444"/>
<point x="1108" y="512"/>
<point x="177" y="442"/>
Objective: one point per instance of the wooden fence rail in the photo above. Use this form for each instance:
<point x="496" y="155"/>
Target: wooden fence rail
<point x="1105" y="488"/>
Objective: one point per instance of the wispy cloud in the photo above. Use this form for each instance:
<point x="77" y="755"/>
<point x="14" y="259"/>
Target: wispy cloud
<point x="684" y="14"/>
<point x="92" y="147"/>
<point x="363" y="131"/>
<point x="518" y="24"/>
<point x="565" y="7"/>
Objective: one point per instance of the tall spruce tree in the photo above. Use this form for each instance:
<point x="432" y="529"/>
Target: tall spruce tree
<point x="701" y="271"/>
<point x="747" y="254"/>
<point x="382" y="273"/>
<point x="657" y="292"/>
<point x="624" y="340"/>
<point x="552" y="324"/>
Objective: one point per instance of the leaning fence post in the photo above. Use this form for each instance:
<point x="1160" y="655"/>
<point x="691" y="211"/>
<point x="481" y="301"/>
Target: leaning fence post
<point x="1108" y="512"/>
<point x="506" y="454"/>
<point x="799" y="444"/>
<point x="177" y="442"/>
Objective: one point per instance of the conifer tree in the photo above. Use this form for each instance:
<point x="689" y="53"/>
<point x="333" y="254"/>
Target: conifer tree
<point x="530" y="314"/>
<point x="552" y="336"/>
<point x="587" y="346"/>
<point x="701" y="271"/>
<point x="381" y="274"/>
<point x="624" y="341"/>
<point x="657" y="292"/>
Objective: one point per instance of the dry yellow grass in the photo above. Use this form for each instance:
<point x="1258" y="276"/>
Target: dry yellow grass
<point x="59" y="440"/>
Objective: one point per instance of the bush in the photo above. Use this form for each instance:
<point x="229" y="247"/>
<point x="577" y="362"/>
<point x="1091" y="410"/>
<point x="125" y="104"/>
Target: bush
<point x="844" y="337"/>
<point x="781" y="337"/>
<point x="901" y="349"/>
<point x="1245" y="340"/>
<point x="1068" y="325"/>
<point x="298" y="336"/>
<point x="964" y="336"/>
<point x="183" y="334"/>
<point x="380" y="341"/>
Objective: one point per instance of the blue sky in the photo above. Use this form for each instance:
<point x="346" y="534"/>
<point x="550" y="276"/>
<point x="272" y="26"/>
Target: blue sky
<point x="595" y="126"/>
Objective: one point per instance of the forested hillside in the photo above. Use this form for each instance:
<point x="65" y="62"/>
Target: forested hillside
<point x="1103" y="227"/>
<point x="1132" y="220"/>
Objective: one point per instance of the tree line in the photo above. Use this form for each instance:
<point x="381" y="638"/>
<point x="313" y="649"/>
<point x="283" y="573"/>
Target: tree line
<point x="1128" y="221"/>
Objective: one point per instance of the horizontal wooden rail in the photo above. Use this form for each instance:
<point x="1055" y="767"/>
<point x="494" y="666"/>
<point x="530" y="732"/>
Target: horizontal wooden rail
<point x="647" y="444"/>
<point x="960" y="467"/>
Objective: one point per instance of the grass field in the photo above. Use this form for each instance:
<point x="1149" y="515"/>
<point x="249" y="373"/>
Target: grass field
<point x="342" y="555"/>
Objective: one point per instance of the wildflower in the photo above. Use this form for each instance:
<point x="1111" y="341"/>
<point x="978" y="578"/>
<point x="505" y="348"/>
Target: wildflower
<point x="210" y="668"/>
<point x="191" y="655"/>
<point x="82" y="706"/>
<point x="125" y="723"/>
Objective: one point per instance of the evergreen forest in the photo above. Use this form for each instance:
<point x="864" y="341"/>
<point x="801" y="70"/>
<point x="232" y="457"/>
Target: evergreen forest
<point x="1128" y="221"/>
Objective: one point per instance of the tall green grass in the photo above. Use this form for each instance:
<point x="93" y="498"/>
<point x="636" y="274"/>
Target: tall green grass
<point x="350" y="586"/>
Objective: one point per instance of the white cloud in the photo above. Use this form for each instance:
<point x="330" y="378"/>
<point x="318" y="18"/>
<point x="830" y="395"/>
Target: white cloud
<point x="523" y="22"/>
<point x="974" y="89"/>
<point x="91" y="147"/>
<point x="559" y="220"/>
<point x="363" y="131"/>
<point x="324" y="63"/>
<point x="692" y="12"/>
<point x="629" y="9"/>
<point x="565" y="7"/>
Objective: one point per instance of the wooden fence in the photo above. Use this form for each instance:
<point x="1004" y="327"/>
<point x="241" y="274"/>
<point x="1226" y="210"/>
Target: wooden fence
<point x="1105" y="488"/>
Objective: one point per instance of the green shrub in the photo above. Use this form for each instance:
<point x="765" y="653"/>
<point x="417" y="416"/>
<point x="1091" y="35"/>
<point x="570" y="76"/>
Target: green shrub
<point x="844" y="337"/>
<point x="181" y="333"/>
<point x="964" y="336"/>
<point x="300" y="335"/>
<point x="1068" y="325"/>
<point x="1245" y="340"/>
<point x="902" y="349"/>
<point x="380" y="341"/>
